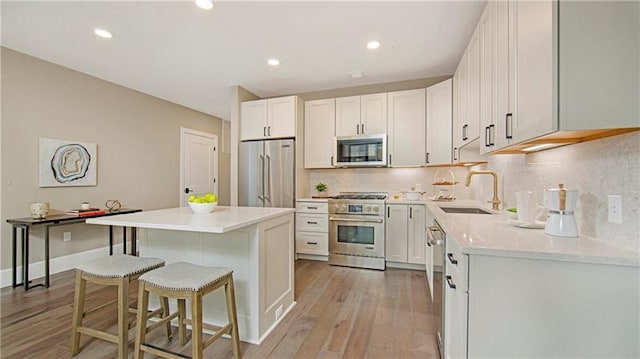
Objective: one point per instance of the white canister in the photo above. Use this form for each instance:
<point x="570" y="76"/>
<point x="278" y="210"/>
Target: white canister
<point x="39" y="210"/>
<point x="85" y="205"/>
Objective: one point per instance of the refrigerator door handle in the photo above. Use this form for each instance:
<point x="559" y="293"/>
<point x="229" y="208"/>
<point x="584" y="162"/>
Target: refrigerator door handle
<point x="268" y="186"/>
<point x="261" y="196"/>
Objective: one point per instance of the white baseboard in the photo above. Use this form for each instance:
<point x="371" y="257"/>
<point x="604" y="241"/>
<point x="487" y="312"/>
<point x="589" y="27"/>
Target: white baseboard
<point x="410" y="266"/>
<point x="313" y="257"/>
<point x="57" y="265"/>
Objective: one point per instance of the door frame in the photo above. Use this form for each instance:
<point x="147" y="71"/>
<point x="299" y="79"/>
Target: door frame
<point x="184" y="131"/>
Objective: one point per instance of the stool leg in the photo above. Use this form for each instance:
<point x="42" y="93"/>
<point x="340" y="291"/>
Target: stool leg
<point x="196" y="325"/>
<point x="78" y="311"/>
<point x="233" y="317"/>
<point x="164" y="303"/>
<point x="123" y="318"/>
<point x="182" y="330"/>
<point x="141" y="320"/>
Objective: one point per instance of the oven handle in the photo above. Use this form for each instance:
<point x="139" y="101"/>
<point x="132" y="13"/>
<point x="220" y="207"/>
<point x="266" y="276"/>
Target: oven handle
<point x="355" y="220"/>
<point x="432" y="237"/>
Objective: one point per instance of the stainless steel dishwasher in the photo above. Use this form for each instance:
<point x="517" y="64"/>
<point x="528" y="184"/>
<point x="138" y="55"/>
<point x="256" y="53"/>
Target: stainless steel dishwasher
<point x="437" y="237"/>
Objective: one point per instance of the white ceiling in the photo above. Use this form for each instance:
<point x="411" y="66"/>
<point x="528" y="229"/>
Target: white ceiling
<point x="178" y="52"/>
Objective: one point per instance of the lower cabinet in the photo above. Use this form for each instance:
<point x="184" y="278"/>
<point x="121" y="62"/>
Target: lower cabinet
<point x="518" y="307"/>
<point x="404" y="233"/>
<point x="312" y="229"/>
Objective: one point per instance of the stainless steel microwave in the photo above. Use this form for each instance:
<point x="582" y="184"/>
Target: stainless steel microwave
<point x="361" y="151"/>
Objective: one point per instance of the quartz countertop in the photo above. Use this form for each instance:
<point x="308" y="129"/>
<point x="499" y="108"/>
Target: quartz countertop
<point x="491" y="235"/>
<point x="323" y="199"/>
<point x="222" y="219"/>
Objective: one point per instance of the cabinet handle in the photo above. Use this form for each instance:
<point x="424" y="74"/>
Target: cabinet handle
<point x="464" y="132"/>
<point x="486" y="137"/>
<point x="362" y="128"/>
<point x="389" y="159"/>
<point x="452" y="259"/>
<point x="428" y="243"/>
<point x="312" y="222"/>
<point x="269" y="130"/>
<point x="450" y="282"/>
<point x="492" y="136"/>
<point x="309" y="207"/>
<point x="388" y="214"/>
<point x="313" y="243"/>
<point x="455" y="149"/>
<point x="358" y="129"/>
<point x="264" y="131"/>
<point x="411" y="212"/>
<point x="331" y="161"/>
<point x="426" y="157"/>
<point x="509" y="126"/>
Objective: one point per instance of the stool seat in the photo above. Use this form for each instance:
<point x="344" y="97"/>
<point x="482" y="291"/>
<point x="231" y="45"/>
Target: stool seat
<point x="183" y="276"/>
<point x="119" y="266"/>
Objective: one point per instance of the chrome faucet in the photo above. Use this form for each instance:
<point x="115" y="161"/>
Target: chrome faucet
<point x="495" y="202"/>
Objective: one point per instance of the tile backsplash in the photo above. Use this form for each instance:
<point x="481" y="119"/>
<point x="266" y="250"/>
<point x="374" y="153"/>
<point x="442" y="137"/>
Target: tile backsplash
<point x="609" y="166"/>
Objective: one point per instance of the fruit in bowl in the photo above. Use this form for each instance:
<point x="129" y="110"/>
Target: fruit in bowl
<point x="203" y="204"/>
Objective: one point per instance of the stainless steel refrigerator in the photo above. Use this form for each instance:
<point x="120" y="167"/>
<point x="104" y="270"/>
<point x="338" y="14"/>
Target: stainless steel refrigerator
<point x="266" y="173"/>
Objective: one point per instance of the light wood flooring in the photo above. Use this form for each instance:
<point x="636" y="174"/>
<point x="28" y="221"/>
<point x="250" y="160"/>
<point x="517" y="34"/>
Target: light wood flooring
<point x="340" y="313"/>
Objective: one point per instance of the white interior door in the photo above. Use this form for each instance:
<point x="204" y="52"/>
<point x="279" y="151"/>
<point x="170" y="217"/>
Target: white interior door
<point x="198" y="163"/>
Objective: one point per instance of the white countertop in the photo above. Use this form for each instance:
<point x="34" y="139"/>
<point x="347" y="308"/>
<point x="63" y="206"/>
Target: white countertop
<point x="323" y="199"/>
<point x="223" y="219"/>
<point x="491" y="235"/>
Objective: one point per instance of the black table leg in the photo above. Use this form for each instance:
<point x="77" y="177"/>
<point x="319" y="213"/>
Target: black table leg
<point x="134" y="241"/>
<point x="124" y="240"/>
<point x="46" y="257"/>
<point x="110" y="240"/>
<point x="25" y="258"/>
<point x="14" y="250"/>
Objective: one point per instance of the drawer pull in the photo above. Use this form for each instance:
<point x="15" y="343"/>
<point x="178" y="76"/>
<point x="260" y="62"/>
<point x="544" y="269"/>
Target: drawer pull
<point x="312" y="207"/>
<point x="450" y="282"/>
<point x="312" y="222"/>
<point x="313" y="243"/>
<point x="451" y="259"/>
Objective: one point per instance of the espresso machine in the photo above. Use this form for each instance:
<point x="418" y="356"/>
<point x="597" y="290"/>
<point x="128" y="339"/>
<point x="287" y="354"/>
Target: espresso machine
<point x="561" y="204"/>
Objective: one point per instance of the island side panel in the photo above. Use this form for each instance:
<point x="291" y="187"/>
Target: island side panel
<point x="237" y="250"/>
<point x="276" y="271"/>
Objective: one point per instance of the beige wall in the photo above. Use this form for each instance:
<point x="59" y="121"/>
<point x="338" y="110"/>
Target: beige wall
<point x="138" y="138"/>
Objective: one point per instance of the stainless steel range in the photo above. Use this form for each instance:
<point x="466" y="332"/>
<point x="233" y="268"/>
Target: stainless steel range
<point x="356" y="230"/>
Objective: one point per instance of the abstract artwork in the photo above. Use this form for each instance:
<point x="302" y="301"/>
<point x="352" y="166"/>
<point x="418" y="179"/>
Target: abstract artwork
<point x="65" y="163"/>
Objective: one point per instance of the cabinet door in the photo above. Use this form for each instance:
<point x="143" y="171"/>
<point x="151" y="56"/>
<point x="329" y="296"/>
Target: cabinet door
<point x="487" y="78"/>
<point x="472" y="130"/>
<point x="534" y="46"/>
<point x="319" y="130"/>
<point x="253" y="120"/>
<point x="439" y="122"/>
<point x="312" y="243"/>
<point x="373" y="114"/>
<point x="455" y="306"/>
<point x="504" y="77"/>
<point x="348" y="116"/>
<point x="416" y="234"/>
<point x="396" y="233"/>
<point x="461" y="103"/>
<point x="406" y="128"/>
<point x="281" y="117"/>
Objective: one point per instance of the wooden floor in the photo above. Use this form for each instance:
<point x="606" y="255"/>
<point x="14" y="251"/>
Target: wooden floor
<point x="340" y="313"/>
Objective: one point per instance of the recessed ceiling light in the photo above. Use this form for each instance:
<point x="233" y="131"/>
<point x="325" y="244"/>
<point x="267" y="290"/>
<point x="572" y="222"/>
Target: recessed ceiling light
<point x="103" y="33"/>
<point x="204" y="4"/>
<point x="372" y="45"/>
<point x="273" y="62"/>
<point x="356" y="74"/>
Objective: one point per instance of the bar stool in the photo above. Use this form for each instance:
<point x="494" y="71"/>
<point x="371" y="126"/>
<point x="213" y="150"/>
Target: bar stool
<point x="187" y="281"/>
<point x="117" y="270"/>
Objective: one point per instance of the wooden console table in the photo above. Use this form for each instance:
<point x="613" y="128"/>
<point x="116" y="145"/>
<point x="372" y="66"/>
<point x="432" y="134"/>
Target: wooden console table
<point x="55" y="220"/>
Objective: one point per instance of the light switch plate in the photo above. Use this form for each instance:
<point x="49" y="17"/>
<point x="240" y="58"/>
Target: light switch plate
<point x="615" y="209"/>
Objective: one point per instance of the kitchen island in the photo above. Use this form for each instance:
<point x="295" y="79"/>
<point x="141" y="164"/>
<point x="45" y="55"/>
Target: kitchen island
<point x="256" y="243"/>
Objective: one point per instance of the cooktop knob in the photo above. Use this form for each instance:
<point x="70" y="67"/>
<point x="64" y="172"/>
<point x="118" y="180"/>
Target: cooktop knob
<point x="376" y="209"/>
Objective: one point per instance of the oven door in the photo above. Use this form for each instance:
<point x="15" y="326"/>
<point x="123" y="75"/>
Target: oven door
<point x="356" y="235"/>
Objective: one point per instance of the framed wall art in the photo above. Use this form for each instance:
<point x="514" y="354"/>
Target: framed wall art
<point x="64" y="163"/>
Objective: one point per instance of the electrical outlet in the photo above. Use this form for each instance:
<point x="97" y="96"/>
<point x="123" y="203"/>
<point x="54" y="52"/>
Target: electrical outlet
<point x="615" y="209"/>
<point x="279" y="311"/>
<point x="66" y="236"/>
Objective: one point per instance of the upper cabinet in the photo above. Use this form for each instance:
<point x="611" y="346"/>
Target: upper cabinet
<point x="467" y="120"/>
<point x="556" y="71"/>
<point x="406" y="135"/>
<point x="319" y="130"/>
<point x="439" y="125"/>
<point x="361" y="115"/>
<point x="266" y="119"/>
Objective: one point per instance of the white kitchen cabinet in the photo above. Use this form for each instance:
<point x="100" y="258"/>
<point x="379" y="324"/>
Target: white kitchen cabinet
<point x="319" y="131"/>
<point x="270" y="118"/>
<point x="312" y="229"/>
<point x="404" y="234"/>
<point x="467" y="121"/>
<point x="406" y="136"/>
<point x="488" y="74"/>
<point x="361" y="115"/>
<point x="439" y="123"/>
<point x="520" y="307"/>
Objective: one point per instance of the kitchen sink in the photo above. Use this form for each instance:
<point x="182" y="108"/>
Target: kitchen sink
<point x="465" y="210"/>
